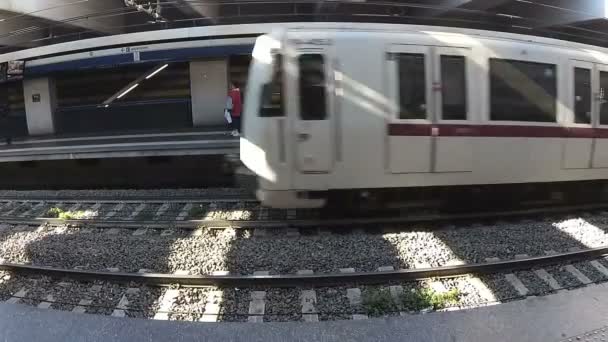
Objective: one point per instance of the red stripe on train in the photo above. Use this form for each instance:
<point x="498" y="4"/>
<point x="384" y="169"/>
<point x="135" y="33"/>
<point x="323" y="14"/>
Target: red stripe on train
<point x="449" y="130"/>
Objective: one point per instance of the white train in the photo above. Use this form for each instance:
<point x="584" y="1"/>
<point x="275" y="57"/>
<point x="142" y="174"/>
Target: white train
<point x="365" y="107"/>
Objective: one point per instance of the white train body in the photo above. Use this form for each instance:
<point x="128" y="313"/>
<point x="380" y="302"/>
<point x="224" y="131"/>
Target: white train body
<point x="412" y="106"/>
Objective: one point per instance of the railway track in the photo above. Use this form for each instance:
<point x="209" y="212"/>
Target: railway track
<point x="293" y="265"/>
<point x="188" y="213"/>
<point x="383" y="275"/>
<point x="258" y="297"/>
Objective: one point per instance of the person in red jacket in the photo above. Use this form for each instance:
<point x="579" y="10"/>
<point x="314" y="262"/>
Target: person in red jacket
<point x="234" y="106"/>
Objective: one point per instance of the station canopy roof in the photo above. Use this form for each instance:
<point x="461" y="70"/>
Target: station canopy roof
<point x="31" y="23"/>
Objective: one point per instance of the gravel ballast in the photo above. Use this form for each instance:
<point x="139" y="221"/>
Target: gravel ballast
<point x="500" y="288"/>
<point x="189" y="304"/>
<point x="235" y="305"/>
<point x="283" y="305"/>
<point x="240" y="252"/>
<point x="106" y="298"/>
<point x="144" y="303"/>
<point x="535" y="285"/>
<point x="332" y="304"/>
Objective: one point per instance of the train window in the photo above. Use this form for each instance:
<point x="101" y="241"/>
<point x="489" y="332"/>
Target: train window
<point x="412" y="85"/>
<point x="272" y="93"/>
<point x="603" y="103"/>
<point x="312" y="87"/>
<point x="453" y="88"/>
<point x="582" y="95"/>
<point x="522" y="91"/>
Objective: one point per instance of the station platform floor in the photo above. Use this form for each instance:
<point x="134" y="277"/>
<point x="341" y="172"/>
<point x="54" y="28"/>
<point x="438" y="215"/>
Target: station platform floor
<point x="115" y="146"/>
<point x="576" y="315"/>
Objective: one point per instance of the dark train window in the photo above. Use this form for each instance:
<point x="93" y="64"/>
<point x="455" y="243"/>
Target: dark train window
<point x="453" y="87"/>
<point x="603" y="95"/>
<point x="582" y="95"/>
<point x="312" y="87"/>
<point x="522" y="91"/>
<point x="12" y="110"/>
<point x="412" y="85"/>
<point x="272" y="92"/>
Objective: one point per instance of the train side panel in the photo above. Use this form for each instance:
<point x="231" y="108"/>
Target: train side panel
<point x="487" y="152"/>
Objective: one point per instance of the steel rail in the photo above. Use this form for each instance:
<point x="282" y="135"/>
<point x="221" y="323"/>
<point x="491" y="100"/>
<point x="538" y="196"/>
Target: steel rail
<point x="302" y="223"/>
<point x="161" y="279"/>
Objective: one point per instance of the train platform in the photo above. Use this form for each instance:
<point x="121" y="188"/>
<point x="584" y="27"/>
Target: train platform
<point x="116" y="146"/>
<point x="576" y="315"/>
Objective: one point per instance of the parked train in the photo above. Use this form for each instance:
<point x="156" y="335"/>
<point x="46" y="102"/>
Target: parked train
<point x="385" y="108"/>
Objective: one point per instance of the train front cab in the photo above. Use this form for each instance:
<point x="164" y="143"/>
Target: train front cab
<point x="288" y="126"/>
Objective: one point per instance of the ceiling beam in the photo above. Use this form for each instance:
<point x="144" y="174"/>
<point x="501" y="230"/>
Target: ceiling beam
<point x="192" y="10"/>
<point x="449" y="5"/>
<point x="86" y="14"/>
<point x="482" y="5"/>
<point x="565" y="12"/>
<point x="20" y="33"/>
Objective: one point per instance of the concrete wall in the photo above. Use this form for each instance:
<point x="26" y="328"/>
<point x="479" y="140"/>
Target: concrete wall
<point x="40" y="102"/>
<point x="209" y="88"/>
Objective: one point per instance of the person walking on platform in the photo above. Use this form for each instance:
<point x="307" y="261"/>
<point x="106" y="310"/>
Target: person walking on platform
<point x="234" y="107"/>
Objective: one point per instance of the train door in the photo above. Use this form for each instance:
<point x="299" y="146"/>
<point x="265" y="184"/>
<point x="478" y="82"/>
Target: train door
<point x="600" y="140"/>
<point x="577" y="150"/>
<point x="311" y="102"/>
<point x="452" y="91"/>
<point x="409" y="88"/>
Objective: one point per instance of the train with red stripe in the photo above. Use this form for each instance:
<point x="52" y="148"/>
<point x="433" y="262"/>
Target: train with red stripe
<point x="375" y="113"/>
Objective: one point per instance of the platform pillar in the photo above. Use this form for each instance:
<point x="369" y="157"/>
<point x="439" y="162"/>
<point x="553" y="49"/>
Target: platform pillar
<point x="209" y="88"/>
<point x="40" y="102"/>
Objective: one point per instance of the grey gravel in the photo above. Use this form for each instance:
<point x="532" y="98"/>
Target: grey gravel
<point x="226" y="251"/>
<point x="502" y="290"/>
<point x="469" y="295"/>
<point x="38" y="288"/>
<point x="603" y="261"/>
<point x="283" y="305"/>
<point x="534" y="284"/>
<point x="42" y="210"/>
<point x="242" y="253"/>
<point x="126" y="211"/>
<point x="172" y="211"/>
<point x="238" y="253"/>
<point x="189" y="304"/>
<point x="563" y="277"/>
<point x="106" y="299"/>
<point x="145" y="303"/>
<point x="22" y="208"/>
<point x="332" y="304"/>
<point x="148" y="212"/>
<point x="10" y="207"/>
<point x="10" y="284"/>
<point x="587" y="269"/>
<point x="91" y="251"/>
<point x="475" y="244"/>
<point x="235" y="305"/>
<point x="223" y="211"/>
<point x="68" y="294"/>
<point x="103" y="210"/>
